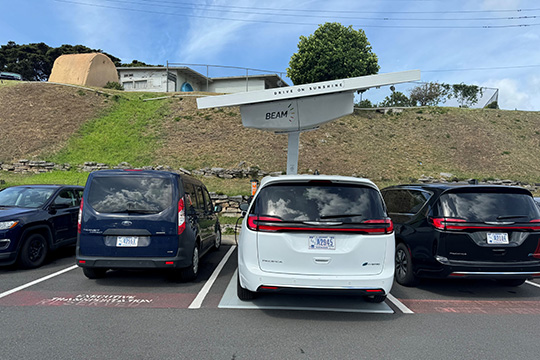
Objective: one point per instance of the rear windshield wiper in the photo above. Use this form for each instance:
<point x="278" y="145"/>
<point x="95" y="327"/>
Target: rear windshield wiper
<point x="502" y="217"/>
<point x="134" y="211"/>
<point x="339" y="216"/>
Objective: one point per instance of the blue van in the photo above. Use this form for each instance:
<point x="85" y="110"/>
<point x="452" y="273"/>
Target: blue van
<point x="137" y="219"/>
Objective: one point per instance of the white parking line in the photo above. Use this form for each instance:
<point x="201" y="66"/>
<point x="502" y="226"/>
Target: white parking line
<point x="9" y="292"/>
<point x="196" y="304"/>
<point x="399" y="304"/>
<point x="532" y="283"/>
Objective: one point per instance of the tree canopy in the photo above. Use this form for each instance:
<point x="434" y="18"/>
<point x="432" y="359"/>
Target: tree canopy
<point x="396" y="99"/>
<point x="332" y="52"/>
<point x="35" y="61"/>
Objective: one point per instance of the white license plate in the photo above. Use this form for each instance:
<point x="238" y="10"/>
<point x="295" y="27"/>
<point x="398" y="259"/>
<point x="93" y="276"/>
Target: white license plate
<point x="322" y="242"/>
<point x="127" y="241"/>
<point x="497" y="238"/>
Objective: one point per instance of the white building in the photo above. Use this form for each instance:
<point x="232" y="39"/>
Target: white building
<point x="175" y="79"/>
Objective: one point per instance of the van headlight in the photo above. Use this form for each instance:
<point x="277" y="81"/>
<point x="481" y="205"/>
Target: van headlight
<point x="4" y="225"/>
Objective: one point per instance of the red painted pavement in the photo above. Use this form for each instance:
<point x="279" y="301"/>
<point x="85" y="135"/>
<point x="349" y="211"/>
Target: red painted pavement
<point x="495" y="307"/>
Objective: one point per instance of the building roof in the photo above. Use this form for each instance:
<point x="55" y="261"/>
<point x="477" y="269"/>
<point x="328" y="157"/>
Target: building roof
<point x="274" y="79"/>
<point x="184" y="69"/>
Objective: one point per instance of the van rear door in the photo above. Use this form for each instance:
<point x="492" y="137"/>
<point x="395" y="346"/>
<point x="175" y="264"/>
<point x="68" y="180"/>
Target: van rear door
<point x="131" y="214"/>
<point x="488" y="225"/>
<point x="320" y="228"/>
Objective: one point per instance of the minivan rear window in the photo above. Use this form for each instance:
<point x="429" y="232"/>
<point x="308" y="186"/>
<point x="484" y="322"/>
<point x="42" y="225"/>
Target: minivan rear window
<point x="131" y="194"/>
<point x="488" y="206"/>
<point x="316" y="202"/>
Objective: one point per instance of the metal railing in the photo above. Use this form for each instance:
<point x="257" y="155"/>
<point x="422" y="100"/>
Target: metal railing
<point x="208" y="66"/>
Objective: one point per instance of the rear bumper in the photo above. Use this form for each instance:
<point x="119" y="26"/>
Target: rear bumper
<point x="253" y="278"/>
<point x="132" y="262"/>
<point x="486" y="270"/>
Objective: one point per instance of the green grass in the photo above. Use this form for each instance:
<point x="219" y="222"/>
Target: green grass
<point x="53" y="177"/>
<point x="129" y="132"/>
<point x="228" y="220"/>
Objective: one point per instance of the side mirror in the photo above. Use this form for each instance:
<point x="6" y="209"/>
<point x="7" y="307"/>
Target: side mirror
<point x="59" y="206"/>
<point x="244" y="206"/>
<point x="218" y="208"/>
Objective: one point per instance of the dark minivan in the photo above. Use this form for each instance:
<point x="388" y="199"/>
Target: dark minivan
<point x="137" y="219"/>
<point x="464" y="231"/>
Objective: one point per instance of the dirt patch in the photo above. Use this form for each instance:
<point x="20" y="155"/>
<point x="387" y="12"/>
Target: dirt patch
<point x="36" y="119"/>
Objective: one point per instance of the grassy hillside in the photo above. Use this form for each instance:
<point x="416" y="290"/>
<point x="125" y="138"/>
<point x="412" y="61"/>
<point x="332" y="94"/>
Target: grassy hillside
<point x="65" y="124"/>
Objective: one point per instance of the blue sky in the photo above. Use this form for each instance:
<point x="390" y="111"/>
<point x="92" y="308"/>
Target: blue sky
<point x="450" y="41"/>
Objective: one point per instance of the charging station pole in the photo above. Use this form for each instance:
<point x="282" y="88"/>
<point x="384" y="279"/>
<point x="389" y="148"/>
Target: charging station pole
<point x="293" y="149"/>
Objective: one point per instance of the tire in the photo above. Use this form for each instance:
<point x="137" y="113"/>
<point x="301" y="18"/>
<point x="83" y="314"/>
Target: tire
<point x="190" y="273"/>
<point x="375" y="298"/>
<point x="404" y="273"/>
<point x="217" y="242"/>
<point x="94" y="273"/>
<point x="511" y="282"/>
<point x="243" y="294"/>
<point x="33" y="251"/>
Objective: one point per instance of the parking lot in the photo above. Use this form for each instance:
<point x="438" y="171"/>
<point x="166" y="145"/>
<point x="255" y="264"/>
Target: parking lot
<point x="56" y="312"/>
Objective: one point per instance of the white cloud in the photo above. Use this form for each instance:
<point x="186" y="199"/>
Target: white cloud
<point x="516" y="95"/>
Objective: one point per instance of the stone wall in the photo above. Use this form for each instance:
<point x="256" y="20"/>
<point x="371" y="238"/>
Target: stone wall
<point x="30" y="166"/>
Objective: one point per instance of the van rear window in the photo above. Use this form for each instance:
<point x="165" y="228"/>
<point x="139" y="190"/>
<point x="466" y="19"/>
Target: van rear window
<point x="314" y="202"/>
<point x="130" y="194"/>
<point x="488" y="206"/>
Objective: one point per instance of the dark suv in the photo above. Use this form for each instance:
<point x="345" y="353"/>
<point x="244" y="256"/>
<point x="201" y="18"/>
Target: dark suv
<point x="135" y="219"/>
<point x="35" y="219"/>
<point x="458" y="231"/>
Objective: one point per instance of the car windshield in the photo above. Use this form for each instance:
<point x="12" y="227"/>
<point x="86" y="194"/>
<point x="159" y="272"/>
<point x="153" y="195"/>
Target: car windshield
<point x="489" y="206"/>
<point x="319" y="202"/>
<point x="26" y="197"/>
<point x="130" y="194"/>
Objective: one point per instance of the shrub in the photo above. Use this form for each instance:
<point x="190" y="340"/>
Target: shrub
<point x="113" y="85"/>
<point x="493" y="105"/>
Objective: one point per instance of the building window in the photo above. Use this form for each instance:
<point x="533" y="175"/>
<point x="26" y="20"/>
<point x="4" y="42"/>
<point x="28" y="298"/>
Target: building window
<point x="141" y="84"/>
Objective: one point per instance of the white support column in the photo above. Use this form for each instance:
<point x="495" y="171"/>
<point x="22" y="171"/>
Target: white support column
<point x="292" y="152"/>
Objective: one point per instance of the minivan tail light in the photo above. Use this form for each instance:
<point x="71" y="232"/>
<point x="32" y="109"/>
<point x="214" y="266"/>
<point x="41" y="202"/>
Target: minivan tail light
<point x="450" y="224"/>
<point x="441" y="223"/>
<point x="79" y="218"/>
<point x="388" y="227"/>
<point x="382" y="226"/>
<point x="181" y="217"/>
<point x="254" y="225"/>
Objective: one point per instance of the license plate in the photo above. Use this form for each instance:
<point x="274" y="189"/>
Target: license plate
<point x="322" y="242"/>
<point x="497" y="238"/>
<point x="127" y="241"/>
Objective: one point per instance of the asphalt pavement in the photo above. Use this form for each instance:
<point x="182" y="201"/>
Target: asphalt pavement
<point x="55" y="312"/>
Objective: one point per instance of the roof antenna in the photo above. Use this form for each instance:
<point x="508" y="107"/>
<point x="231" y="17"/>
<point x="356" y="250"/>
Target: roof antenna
<point x="316" y="172"/>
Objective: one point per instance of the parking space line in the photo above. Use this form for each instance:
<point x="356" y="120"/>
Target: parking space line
<point x="533" y="283"/>
<point x="399" y="304"/>
<point x="196" y="304"/>
<point x="9" y="292"/>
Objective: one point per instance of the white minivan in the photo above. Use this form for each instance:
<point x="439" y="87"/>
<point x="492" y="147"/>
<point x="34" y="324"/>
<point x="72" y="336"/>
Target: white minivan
<point x="316" y="233"/>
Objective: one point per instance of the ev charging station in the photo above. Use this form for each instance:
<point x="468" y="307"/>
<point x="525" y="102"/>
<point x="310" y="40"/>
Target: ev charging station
<point x="296" y="109"/>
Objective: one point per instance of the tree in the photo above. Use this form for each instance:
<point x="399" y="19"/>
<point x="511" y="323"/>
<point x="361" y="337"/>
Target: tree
<point x="365" y="104"/>
<point x="466" y="94"/>
<point x="429" y="94"/>
<point x="332" y="52"/>
<point x="396" y="99"/>
<point x="35" y="61"/>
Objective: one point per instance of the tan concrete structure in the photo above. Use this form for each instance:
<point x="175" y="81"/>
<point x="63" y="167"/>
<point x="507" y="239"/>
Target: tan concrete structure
<point x="94" y="69"/>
